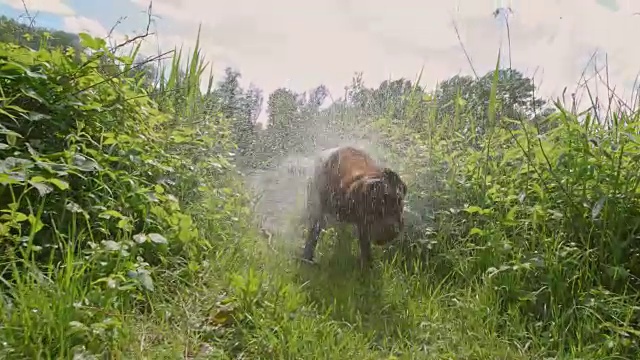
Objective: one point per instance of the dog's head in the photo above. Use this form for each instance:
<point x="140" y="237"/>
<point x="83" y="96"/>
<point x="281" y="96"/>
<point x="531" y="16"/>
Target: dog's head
<point x="383" y="198"/>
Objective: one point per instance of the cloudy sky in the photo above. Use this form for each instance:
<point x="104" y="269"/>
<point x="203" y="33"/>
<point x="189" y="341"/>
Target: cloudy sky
<point x="301" y="44"/>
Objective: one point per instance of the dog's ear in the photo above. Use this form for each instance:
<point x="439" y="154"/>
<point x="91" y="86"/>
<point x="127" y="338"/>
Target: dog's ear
<point x="394" y="180"/>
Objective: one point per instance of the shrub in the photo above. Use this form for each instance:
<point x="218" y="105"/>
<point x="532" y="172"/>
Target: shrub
<point x="544" y="224"/>
<point x="98" y="184"/>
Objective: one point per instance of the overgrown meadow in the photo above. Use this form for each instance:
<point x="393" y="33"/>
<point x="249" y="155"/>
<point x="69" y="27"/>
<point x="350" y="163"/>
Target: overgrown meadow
<point x="128" y="229"/>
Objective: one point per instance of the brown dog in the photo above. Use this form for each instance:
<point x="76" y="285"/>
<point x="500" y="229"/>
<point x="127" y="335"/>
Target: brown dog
<point x="350" y="186"/>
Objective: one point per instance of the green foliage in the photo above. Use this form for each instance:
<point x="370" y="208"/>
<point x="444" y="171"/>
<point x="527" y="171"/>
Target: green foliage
<point x="126" y="229"/>
<point x="97" y="188"/>
<point x="533" y="209"/>
<point x="75" y="139"/>
<point x="11" y="31"/>
<point x="515" y="94"/>
<point x="242" y="107"/>
<point x="544" y="224"/>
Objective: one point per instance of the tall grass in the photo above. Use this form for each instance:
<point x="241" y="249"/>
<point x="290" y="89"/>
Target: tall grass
<point x="126" y="232"/>
<point x="539" y="219"/>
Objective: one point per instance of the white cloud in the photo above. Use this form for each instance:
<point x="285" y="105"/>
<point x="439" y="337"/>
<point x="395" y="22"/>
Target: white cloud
<point x="45" y="6"/>
<point x="301" y="45"/>
<point x="78" y="24"/>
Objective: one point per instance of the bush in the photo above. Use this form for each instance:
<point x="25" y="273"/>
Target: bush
<point x="98" y="184"/>
<point x="542" y="223"/>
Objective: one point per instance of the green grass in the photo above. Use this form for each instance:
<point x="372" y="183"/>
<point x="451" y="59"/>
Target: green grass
<point x="113" y="245"/>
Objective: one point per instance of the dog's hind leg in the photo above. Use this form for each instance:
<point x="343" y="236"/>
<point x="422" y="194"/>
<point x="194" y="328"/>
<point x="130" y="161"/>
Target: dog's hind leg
<point x="315" y="219"/>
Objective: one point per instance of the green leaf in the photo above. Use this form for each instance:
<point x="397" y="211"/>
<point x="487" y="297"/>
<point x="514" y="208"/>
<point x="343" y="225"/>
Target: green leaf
<point x="157" y="238"/>
<point x="111" y="245"/>
<point x="60" y="184"/>
<point x="32" y="94"/>
<point x="73" y="207"/>
<point x="93" y="43"/>
<point x="473" y="209"/>
<point x="11" y="139"/>
<point x="180" y="139"/>
<point x="108" y="214"/>
<point x="36" y="224"/>
<point x="43" y="189"/>
<point x="146" y="281"/>
<point x="85" y="164"/>
<point x="76" y="325"/>
<point x="124" y="224"/>
<point x="11" y="70"/>
<point x="185" y="233"/>
<point x="140" y="238"/>
<point x="37" y="179"/>
<point x="110" y="141"/>
<point x="597" y="207"/>
<point x="6" y="179"/>
<point x="19" y="217"/>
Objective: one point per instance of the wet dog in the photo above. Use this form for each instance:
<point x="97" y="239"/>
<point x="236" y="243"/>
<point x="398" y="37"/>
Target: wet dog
<point x="350" y="186"/>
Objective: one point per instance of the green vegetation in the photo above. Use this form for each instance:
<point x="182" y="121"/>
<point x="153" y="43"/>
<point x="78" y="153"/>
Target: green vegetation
<point x="127" y="231"/>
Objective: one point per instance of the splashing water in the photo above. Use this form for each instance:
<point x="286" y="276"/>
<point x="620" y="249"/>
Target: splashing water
<point x="281" y="190"/>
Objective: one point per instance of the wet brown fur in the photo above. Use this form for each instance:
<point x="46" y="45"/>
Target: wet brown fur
<point x="350" y="186"/>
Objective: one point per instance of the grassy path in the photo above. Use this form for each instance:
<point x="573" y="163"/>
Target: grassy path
<point x="286" y="309"/>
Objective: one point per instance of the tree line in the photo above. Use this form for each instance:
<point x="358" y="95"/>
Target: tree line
<point x="290" y="114"/>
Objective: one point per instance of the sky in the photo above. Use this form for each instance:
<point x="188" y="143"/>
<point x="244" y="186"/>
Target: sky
<point x="302" y="44"/>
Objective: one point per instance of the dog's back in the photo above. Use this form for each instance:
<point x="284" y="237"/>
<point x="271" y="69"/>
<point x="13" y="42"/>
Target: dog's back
<point x="344" y="166"/>
<point x="340" y="181"/>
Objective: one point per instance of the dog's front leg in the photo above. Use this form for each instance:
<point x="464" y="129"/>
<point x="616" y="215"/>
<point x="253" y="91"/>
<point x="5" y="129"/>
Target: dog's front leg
<point x="364" y="239"/>
<point x="317" y="223"/>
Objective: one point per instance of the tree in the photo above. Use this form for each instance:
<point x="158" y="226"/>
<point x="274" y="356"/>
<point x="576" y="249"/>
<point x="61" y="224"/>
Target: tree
<point x="317" y="97"/>
<point x="241" y="107"/>
<point x="515" y="98"/>
<point x="282" y="109"/>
